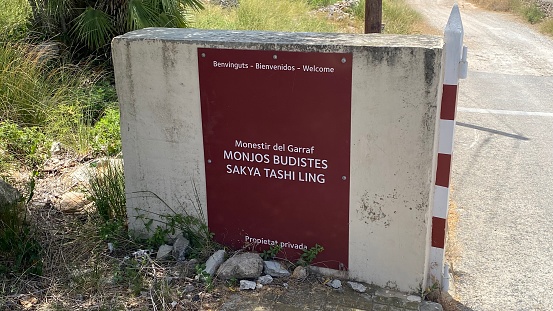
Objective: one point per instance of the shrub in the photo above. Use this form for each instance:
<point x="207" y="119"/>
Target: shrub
<point x="107" y="190"/>
<point x="106" y="133"/>
<point x="27" y="145"/>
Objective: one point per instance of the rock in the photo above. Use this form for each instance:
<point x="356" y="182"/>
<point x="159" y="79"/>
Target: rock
<point x="336" y="284"/>
<point x="226" y="3"/>
<point x="72" y="202"/>
<point x="241" y="266"/>
<point x="358" y="287"/>
<point x="8" y="194"/>
<point x="55" y="148"/>
<point x="275" y="269"/>
<point x="245" y="284"/>
<point x="299" y="273"/>
<point x="164" y="251"/>
<point x="413" y="298"/>
<point x="430" y="306"/>
<point x="264" y="280"/>
<point x="180" y="247"/>
<point x="214" y="262"/>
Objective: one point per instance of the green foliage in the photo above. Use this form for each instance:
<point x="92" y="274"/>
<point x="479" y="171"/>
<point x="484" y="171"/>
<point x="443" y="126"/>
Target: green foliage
<point x="13" y="18"/>
<point x="27" y="145"/>
<point x="20" y="251"/>
<point x="204" y="276"/>
<point x="87" y="26"/>
<point x="271" y="252"/>
<point x="532" y="13"/>
<point x="283" y="15"/>
<point x="192" y="227"/>
<point x="397" y="15"/>
<point x="29" y="86"/>
<point x="106" y="133"/>
<point x="107" y="190"/>
<point x="308" y="255"/>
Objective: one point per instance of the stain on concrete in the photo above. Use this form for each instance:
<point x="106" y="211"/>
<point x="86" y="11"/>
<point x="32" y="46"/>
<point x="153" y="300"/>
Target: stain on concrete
<point x="372" y="208"/>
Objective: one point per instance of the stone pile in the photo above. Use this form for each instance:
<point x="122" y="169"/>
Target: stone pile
<point x="546" y="6"/>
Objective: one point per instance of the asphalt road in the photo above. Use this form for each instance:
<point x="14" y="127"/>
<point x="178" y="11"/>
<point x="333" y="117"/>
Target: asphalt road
<point x="502" y="163"/>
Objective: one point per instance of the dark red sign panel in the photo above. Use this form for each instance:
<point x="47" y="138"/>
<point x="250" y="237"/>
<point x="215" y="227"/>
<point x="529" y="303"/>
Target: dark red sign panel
<point x="276" y="129"/>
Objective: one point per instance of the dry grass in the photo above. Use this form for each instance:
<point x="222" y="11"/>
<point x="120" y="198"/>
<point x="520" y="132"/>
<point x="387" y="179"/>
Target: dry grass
<point x="497" y="5"/>
<point x="453" y="248"/>
<point x="81" y="274"/>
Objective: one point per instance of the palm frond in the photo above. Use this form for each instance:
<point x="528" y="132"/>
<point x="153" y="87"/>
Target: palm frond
<point x="94" y="28"/>
<point x="142" y="14"/>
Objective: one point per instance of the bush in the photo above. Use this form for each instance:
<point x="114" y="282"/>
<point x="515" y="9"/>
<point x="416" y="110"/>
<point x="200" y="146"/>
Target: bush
<point x="27" y="145"/>
<point x="107" y="134"/>
<point x="533" y="13"/>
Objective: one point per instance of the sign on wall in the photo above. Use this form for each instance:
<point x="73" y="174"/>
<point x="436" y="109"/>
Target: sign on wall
<point x="276" y="130"/>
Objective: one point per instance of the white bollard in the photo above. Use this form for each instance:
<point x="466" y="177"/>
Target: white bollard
<point x="455" y="69"/>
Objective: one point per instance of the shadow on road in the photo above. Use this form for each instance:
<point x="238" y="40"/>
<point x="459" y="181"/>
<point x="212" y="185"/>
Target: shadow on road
<point x="489" y="130"/>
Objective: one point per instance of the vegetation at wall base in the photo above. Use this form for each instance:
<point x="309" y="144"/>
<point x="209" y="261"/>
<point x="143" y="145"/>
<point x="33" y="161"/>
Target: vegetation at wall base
<point x="107" y="190"/>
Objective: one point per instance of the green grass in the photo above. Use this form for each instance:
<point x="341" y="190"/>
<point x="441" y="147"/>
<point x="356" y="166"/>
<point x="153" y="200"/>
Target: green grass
<point x="20" y="252"/>
<point x="107" y="189"/>
<point x="283" y="15"/>
<point x="397" y="16"/>
<point x="321" y="3"/>
<point x="13" y="17"/>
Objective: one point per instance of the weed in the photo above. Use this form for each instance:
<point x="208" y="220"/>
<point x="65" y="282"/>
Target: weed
<point x="25" y="145"/>
<point x="20" y="252"/>
<point x="429" y="291"/>
<point x="204" y="276"/>
<point x="107" y="190"/>
<point x="106" y="133"/>
<point x="308" y="255"/>
<point x="271" y="252"/>
<point x="193" y="228"/>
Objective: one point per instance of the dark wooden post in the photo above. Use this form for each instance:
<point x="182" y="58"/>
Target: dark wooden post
<point x="373" y="16"/>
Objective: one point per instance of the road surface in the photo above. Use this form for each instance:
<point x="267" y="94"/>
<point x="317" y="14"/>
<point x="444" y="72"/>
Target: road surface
<point x="502" y="162"/>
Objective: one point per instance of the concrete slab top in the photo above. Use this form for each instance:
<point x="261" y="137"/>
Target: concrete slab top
<point x="243" y="39"/>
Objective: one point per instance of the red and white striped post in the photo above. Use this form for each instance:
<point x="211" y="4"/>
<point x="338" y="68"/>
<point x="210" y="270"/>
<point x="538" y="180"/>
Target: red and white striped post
<point x="455" y="69"/>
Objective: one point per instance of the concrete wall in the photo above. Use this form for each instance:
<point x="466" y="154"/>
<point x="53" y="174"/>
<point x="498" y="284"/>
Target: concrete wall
<point x="395" y="94"/>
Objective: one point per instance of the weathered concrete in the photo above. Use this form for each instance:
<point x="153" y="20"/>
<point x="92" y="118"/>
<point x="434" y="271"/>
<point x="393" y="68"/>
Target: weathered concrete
<point x="395" y="91"/>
